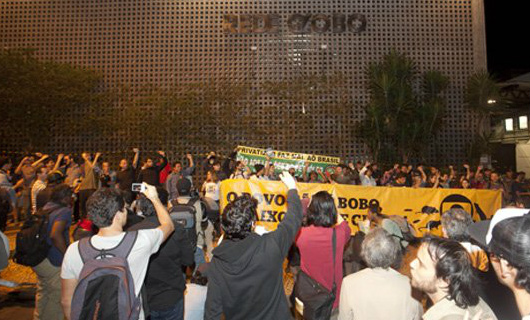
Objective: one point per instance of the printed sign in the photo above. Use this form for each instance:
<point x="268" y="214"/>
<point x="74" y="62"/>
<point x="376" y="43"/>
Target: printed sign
<point x="421" y="207"/>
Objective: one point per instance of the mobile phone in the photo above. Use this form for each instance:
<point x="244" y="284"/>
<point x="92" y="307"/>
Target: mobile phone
<point x="138" y="187"/>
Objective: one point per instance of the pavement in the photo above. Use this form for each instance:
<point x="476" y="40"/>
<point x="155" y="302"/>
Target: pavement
<point x="17" y="302"/>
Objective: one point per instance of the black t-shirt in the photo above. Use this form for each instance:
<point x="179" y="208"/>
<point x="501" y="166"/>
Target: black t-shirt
<point x="517" y="187"/>
<point x="125" y="178"/>
<point x="164" y="281"/>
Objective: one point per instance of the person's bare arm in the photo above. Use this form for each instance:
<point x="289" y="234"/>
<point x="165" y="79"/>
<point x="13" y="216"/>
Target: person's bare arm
<point x="58" y="162"/>
<point x="93" y="164"/>
<point x="452" y="173"/>
<point x="468" y="171"/>
<point x="423" y="175"/>
<point x="304" y="172"/>
<point x="67" y="292"/>
<point x="437" y="183"/>
<point x="190" y="160"/>
<point x="19" y="167"/>
<point x="57" y="236"/>
<point x="36" y="163"/>
<point x="136" y="157"/>
<point x="18" y="184"/>
<point x="166" y="224"/>
<point x="479" y="169"/>
<point x="321" y="174"/>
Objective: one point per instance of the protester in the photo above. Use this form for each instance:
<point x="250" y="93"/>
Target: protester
<point x="204" y="237"/>
<point x="53" y="179"/>
<point x="507" y="238"/>
<point x="71" y="171"/>
<point x="443" y="271"/>
<point x="378" y="292"/>
<point x="38" y="186"/>
<point x="245" y="277"/>
<point x="27" y="169"/>
<point x="5" y="208"/>
<point x="7" y="185"/>
<point x="150" y="172"/>
<point x="315" y="243"/>
<point x="195" y="298"/>
<point x="89" y="183"/>
<point x="365" y="175"/>
<point x="178" y="173"/>
<point x="241" y="171"/>
<point x="455" y="225"/>
<point x="107" y="176"/>
<point x="48" y="296"/>
<point x="106" y="209"/>
<point x="375" y="218"/>
<point x="165" y="281"/>
<point x="126" y="176"/>
<point x="315" y="176"/>
<point x="211" y="189"/>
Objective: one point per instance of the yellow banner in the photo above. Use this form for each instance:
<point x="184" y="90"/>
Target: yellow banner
<point x="422" y="207"/>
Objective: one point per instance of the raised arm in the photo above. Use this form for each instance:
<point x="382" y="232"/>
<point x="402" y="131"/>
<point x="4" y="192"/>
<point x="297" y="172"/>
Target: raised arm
<point x="363" y="170"/>
<point x="452" y="173"/>
<point x="479" y="169"/>
<point x="468" y="171"/>
<point x="321" y="174"/>
<point x="287" y="229"/>
<point x="166" y="225"/>
<point x="190" y="160"/>
<point x="164" y="161"/>
<point x="36" y="163"/>
<point x="136" y="158"/>
<point x="423" y="175"/>
<point x="304" y="172"/>
<point x="19" y="167"/>
<point x="58" y="162"/>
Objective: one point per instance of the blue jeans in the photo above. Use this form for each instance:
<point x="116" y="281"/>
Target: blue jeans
<point x="199" y="257"/>
<point x="175" y="312"/>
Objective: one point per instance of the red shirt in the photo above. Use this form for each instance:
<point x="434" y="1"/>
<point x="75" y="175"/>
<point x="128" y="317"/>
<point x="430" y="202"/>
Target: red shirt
<point x="316" y="254"/>
<point x="164" y="173"/>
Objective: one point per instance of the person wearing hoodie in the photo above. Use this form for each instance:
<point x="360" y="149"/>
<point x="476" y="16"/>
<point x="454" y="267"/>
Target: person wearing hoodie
<point x="48" y="295"/>
<point x="245" y="276"/>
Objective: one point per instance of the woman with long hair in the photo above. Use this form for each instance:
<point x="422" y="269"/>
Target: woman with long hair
<point x="315" y="243"/>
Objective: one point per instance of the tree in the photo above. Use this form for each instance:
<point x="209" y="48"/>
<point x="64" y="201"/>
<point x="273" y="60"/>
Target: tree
<point x="401" y="120"/>
<point x="35" y="96"/>
<point x="482" y="96"/>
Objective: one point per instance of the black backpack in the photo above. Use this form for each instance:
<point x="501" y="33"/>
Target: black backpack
<point x="31" y="244"/>
<point x="183" y="217"/>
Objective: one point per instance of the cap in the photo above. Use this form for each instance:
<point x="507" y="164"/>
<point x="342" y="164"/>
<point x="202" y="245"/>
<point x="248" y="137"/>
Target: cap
<point x="183" y="186"/>
<point x="506" y="235"/>
<point x="482" y="231"/>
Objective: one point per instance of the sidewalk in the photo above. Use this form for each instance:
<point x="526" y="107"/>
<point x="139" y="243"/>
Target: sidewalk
<point x="19" y="302"/>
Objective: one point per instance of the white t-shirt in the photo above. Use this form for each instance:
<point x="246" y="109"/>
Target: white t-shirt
<point x="147" y="243"/>
<point x="211" y="190"/>
<point x="194" y="301"/>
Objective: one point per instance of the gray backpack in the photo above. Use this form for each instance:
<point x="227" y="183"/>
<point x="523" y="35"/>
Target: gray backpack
<point x="106" y="288"/>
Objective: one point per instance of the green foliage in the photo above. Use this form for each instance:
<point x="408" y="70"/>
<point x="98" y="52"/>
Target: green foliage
<point x="35" y="96"/>
<point x="480" y="90"/>
<point x="400" y="119"/>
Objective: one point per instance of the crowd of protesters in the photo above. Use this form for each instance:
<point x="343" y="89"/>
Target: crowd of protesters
<point x="223" y="266"/>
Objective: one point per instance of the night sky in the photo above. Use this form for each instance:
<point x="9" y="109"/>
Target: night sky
<point x="507" y="25"/>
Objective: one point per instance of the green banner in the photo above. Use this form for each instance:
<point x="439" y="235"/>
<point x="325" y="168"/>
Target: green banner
<point x="283" y="160"/>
